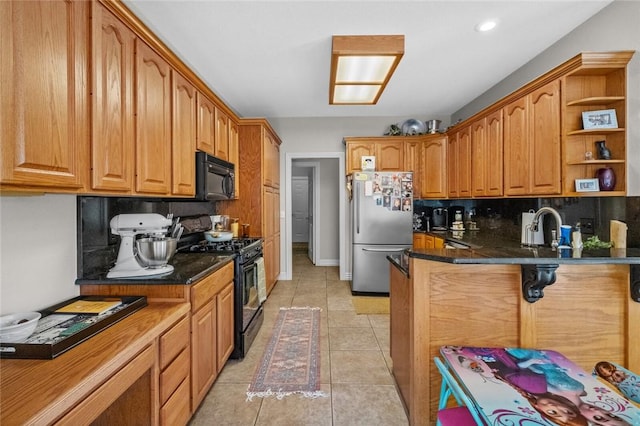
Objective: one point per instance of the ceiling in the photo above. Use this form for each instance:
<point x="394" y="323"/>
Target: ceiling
<point x="271" y="58"/>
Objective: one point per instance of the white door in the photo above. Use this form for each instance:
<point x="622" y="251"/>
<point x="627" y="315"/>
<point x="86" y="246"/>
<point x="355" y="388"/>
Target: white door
<point x="300" y="209"/>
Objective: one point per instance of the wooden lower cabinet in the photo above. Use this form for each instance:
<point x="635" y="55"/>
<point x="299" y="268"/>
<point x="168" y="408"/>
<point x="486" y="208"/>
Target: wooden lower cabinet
<point x="482" y="305"/>
<point x="123" y="375"/>
<point x="211" y="330"/>
<point x="200" y="345"/>
<point x="224" y="325"/>
<point x="400" y="326"/>
<point x="175" y="359"/>
<point x="426" y="241"/>
<point x="108" y="403"/>
<point x="203" y="345"/>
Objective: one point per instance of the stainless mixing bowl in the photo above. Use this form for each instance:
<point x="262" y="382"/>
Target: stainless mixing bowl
<point x="155" y="252"/>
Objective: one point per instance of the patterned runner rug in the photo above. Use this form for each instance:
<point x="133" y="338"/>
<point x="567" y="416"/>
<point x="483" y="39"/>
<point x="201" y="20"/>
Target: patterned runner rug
<point x="291" y="361"/>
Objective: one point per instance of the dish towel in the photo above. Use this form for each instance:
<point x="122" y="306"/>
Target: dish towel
<point x="262" y="282"/>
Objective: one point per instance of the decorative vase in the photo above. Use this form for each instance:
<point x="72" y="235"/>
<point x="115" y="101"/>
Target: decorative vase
<point x="606" y="178"/>
<point x="603" y="152"/>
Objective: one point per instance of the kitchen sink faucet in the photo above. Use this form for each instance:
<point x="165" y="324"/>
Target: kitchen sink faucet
<point x="555" y="233"/>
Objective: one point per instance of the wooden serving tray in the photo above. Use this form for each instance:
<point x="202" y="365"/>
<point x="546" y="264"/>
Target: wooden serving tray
<point x="56" y="333"/>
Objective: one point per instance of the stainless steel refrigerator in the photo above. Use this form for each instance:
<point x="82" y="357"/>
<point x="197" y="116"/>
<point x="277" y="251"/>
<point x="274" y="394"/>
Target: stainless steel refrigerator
<point x="382" y="224"/>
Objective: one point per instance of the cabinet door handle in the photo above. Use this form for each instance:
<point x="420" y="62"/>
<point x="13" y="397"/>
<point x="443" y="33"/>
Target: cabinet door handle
<point x="384" y="250"/>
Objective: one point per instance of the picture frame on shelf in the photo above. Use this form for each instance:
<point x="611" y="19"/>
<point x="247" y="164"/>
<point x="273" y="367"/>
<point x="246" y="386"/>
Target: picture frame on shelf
<point x="587" y="185"/>
<point x="601" y="119"/>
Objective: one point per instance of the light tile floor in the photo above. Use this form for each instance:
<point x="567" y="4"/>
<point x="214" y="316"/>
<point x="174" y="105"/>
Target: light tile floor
<point x="355" y="369"/>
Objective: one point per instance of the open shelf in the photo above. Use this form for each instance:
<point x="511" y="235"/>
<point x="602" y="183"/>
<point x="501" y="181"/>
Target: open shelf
<point x="595" y="100"/>
<point x="597" y="194"/>
<point x="596" y="131"/>
<point x="594" y="162"/>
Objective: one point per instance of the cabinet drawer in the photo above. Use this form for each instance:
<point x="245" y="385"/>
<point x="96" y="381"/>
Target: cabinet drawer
<point x="173" y="341"/>
<point x="202" y="292"/>
<point x="174" y="374"/>
<point x="176" y="411"/>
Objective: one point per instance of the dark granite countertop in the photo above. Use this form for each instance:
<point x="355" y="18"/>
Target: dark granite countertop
<point x="491" y="248"/>
<point x="529" y="256"/>
<point x="188" y="269"/>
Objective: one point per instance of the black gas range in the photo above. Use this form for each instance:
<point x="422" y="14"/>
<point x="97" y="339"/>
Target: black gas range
<point x="248" y="312"/>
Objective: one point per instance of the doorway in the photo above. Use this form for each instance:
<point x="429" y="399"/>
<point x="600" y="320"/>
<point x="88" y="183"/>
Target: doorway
<point x="302" y="210"/>
<point x="318" y="235"/>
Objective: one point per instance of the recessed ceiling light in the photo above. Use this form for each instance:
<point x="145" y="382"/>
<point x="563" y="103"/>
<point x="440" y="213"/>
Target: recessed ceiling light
<point x="486" y="26"/>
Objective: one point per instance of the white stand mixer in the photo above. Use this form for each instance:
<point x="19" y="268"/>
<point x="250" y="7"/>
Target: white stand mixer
<point x="128" y="226"/>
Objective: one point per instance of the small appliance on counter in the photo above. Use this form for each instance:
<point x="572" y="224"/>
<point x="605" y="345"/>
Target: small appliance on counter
<point x="146" y="256"/>
<point x="439" y="219"/>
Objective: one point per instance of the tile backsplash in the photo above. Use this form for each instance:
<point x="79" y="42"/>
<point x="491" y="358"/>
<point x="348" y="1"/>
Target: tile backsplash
<point x="97" y="247"/>
<point x="592" y="213"/>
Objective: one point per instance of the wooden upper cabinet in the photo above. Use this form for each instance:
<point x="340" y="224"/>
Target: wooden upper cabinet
<point x="153" y="130"/>
<point x="355" y="151"/>
<point x="459" y="164"/>
<point x="389" y="153"/>
<point x="494" y="154"/>
<point x="44" y="94"/>
<point x="412" y="163"/>
<point x="532" y="147"/>
<point x="479" y="157"/>
<point x="113" y="136"/>
<point x="452" y="157"/>
<point x="234" y="156"/>
<point x="206" y="125"/>
<point x="434" y="167"/>
<point x="271" y="160"/>
<point x="183" y="135"/>
<point x="544" y="131"/>
<point x="222" y="135"/>
<point x="486" y="156"/>
<point x="516" y="148"/>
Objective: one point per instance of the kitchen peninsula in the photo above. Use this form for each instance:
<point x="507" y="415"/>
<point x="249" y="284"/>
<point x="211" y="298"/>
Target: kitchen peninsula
<point x="587" y="308"/>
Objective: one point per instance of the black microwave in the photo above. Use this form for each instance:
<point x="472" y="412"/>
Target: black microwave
<point x="214" y="178"/>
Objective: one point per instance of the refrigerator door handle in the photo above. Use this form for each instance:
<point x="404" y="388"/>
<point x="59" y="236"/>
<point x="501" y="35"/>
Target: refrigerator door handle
<point x="384" y="250"/>
<point x="357" y="207"/>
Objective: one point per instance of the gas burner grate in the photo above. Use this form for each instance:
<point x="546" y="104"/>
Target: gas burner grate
<point x="231" y="246"/>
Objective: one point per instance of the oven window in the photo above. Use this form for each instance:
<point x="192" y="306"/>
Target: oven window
<point x="250" y="303"/>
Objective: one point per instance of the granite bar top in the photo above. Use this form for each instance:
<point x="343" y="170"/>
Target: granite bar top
<point x="491" y="248"/>
<point x="529" y="256"/>
<point x="188" y="268"/>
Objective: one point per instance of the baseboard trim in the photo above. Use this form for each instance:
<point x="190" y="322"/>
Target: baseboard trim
<point x="328" y="262"/>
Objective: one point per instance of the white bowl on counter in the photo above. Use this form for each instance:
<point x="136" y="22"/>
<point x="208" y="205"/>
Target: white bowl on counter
<point x="15" y="328"/>
<point x="218" y="236"/>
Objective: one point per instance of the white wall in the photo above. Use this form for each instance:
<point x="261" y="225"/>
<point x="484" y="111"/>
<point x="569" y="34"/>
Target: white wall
<point x="329" y="220"/>
<point x="616" y="27"/>
<point x="37" y="251"/>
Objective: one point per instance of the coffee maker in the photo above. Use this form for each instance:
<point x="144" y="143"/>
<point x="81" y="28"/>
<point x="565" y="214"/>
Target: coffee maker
<point x="439" y="219"/>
